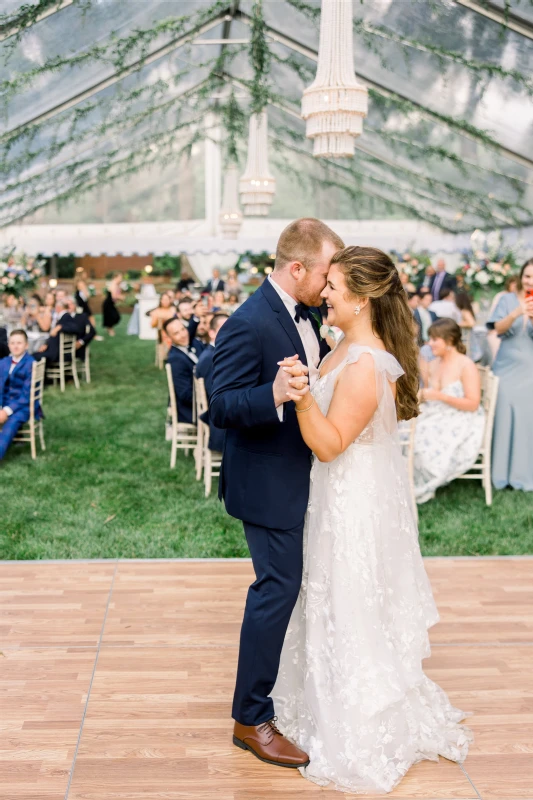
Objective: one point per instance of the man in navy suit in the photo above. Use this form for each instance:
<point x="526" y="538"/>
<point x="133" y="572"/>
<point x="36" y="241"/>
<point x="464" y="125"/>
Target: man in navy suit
<point x="67" y="321"/>
<point x="423" y="317"/>
<point x="204" y="369"/>
<point x="15" y="388"/>
<point x="266" y="466"/>
<point x="441" y="280"/>
<point x="182" y="359"/>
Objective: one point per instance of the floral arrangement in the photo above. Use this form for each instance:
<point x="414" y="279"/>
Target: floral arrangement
<point x="412" y="264"/>
<point x="489" y="262"/>
<point x="19" y="273"/>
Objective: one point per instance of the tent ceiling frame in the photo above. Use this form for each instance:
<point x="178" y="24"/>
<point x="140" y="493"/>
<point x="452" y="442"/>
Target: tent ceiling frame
<point x="6" y="31"/>
<point x="175" y="44"/>
<point x="496" y="14"/>
<point x="387" y="162"/>
<point x="292" y="44"/>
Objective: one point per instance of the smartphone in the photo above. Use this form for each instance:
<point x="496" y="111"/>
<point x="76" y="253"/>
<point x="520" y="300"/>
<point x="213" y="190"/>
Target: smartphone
<point x="529" y="294"/>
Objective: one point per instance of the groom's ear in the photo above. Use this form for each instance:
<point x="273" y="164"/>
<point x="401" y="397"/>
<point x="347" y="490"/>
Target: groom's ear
<point x="297" y="269"/>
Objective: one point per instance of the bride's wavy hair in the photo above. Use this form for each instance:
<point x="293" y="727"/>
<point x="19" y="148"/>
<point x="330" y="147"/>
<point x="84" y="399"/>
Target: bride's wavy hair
<point x="369" y="272"/>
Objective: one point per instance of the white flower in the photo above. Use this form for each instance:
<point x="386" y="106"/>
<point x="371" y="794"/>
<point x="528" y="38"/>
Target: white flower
<point x="498" y="279"/>
<point x="324" y="331"/>
<point x="483" y="277"/>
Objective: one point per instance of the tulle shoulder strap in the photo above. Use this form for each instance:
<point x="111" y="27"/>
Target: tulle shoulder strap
<point x="384" y="362"/>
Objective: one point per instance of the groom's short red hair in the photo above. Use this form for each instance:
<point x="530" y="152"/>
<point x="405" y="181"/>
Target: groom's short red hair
<point x="302" y="241"/>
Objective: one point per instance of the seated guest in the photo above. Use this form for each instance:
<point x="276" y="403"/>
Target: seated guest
<point x="15" y="388"/>
<point x="31" y="317"/>
<point x="512" y="447"/>
<point x="184" y="284"/>
<point x="187" y="316"/>
<point x="219" y="299"/>
<point x="182" y="362"/>
<point x="424" y="318"/>
<point x="164" y="311"/>
<point x="449" y="431"/>
<point x="67" y="321"/>
<point x="445" y="306"/>
<point x="204" y="369"/>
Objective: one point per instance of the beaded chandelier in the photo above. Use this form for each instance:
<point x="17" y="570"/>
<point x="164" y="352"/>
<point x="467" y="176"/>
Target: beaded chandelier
<point x="230" y="217"/>
<point x="335" y="103"/>
<point x="257" y="186"/>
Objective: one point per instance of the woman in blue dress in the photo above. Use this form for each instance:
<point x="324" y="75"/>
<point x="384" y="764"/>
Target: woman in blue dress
<point x="512" y="448"/>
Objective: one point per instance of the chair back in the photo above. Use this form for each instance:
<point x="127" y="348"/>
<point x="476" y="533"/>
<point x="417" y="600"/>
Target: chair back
<point x="67" y="346"/>
<point x="201" y="396"/>
<point x="489" y="396"/>
<point x="172" y="395"/>
<point x="37" y="385"/>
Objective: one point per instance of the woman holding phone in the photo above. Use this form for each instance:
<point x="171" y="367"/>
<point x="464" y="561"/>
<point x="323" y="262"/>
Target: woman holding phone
<point x="512" y="319"/>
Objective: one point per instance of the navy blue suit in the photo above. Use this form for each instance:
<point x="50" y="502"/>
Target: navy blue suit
<point x="204" y="369"/>
<point x="264" y="482"/>
<point x="418" y="321"/>
<point x="182" y="377"/>
<point x="15" y="393"/>
<point x="76" y="325"/>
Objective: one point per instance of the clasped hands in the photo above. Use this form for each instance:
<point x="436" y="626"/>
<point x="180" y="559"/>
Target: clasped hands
<point x="291" y="382"/>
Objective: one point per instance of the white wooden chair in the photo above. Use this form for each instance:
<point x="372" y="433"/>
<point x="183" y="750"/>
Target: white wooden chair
<point x="208" y="460"/>
<point x="85" y="363"/>
<point x="65" y="366"/>
<point x="161" y="349"/>
<point x="407" y="442"/>
<point x="27" y="431"/>
<point x="184" y="436"/>
<point x="482" y="468"/>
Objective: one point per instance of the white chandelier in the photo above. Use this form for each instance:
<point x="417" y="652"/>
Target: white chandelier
<point x="230" y="217"/>
<point x="257" y="186"/>
<point x="335" y="103"/>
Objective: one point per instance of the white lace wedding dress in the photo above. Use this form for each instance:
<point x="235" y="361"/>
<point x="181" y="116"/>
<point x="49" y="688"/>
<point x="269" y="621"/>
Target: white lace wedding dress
<point x="351" y="691"/>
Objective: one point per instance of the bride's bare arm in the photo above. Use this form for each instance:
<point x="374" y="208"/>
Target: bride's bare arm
<point x="352" y="407"/>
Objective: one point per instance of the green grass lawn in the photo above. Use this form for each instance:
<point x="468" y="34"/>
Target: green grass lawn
<point x="104" y="488"/>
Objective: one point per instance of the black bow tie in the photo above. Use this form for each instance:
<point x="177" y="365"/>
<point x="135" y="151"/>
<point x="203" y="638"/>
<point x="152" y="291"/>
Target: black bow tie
<point x="301" y="311"/>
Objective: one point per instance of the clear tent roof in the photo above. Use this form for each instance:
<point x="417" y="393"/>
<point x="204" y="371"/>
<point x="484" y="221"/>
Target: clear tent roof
<point x="96" y="91"/>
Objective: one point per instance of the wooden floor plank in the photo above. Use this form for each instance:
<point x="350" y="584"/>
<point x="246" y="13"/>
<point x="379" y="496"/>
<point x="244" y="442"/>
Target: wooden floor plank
<point x="50" y="604"/>
<point x="42" y="698"/>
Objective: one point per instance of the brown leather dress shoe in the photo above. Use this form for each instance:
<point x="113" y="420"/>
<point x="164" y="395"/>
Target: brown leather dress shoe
<point x="269" y="745"/>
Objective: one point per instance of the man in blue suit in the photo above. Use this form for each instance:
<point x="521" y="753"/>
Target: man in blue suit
<point x="266" y="465"/>
<point x="182" y="358"/>
<point x="15" y="388"/>
<point x="204" y="369"/>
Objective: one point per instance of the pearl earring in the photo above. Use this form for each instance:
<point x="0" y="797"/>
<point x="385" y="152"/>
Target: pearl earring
<point x="357" y="310"/>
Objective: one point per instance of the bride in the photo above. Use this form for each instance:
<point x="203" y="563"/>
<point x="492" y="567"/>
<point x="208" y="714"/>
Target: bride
<point x="351" y="691"/>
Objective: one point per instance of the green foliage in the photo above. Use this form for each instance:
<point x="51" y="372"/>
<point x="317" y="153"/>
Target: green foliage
<point x="167" y="265"/>
<point x="104" y="488"/>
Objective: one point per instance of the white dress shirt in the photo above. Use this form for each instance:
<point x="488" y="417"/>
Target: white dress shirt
<point x="425" y="318"/>
<point x="307" y="335"/>
<point x="445" y="308"/>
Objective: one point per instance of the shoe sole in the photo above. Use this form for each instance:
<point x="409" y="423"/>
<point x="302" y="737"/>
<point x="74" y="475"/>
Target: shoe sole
<point x="243" y="746"/>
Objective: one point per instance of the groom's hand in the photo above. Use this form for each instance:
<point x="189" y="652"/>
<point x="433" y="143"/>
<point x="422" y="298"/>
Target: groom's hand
<point x="292" y="375"/>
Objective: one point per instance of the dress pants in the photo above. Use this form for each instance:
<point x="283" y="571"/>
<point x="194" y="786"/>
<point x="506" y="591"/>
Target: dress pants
<point x="9" y="430"/>
<point x="277" y="558"/>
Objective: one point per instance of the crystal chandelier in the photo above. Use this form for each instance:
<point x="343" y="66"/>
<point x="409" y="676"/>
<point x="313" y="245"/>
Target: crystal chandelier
<point x="230" y="217"/>
<point x="335" y="103"/>
<point x="257" y="186"/>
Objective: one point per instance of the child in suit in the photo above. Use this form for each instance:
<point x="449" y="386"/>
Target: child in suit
<point x="15" y="388"/>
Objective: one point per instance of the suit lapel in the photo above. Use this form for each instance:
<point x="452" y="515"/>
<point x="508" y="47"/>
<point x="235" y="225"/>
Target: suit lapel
<point x="15" y="368"/>
<point x="284" y="318"/>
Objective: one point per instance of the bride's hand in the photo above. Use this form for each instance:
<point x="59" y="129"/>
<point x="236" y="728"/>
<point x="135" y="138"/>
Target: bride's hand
<point x="299" y="398"/>
<point x="293" y="366"/>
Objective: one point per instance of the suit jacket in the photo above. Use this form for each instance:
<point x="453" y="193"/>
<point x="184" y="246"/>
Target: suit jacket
<point x="15" y="389"/>
<point x="79" y="325"/>
<point x="182" y="377"/>
<point x="204" y="369"/>
<point x="448" y="282"/>
<point x="265" y="471"/>
<point x="418" y="321"/>
<point x="215" y="285"/>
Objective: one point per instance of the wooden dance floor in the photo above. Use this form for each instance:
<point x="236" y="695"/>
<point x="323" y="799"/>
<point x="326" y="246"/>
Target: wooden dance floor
<point x="117" y="677"/>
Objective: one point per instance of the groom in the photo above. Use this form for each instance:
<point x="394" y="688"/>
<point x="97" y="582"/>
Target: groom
<point x="265" y="472"/>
